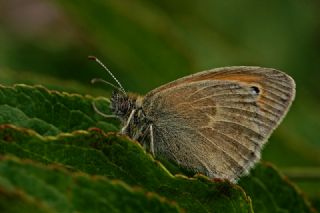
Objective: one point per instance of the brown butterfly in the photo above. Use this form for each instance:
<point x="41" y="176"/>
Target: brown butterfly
<point x="213" y="122"/>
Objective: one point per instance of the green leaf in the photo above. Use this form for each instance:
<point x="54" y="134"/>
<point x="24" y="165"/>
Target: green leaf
<point x="54" y="128"/>
<point x="117" y="157"/>
<point x="62" y="191"/>
<point x="272" y="192"/>
<point x="50" y="112"/>
<point x="268" y="189"/>
<point x="14" y="200"/>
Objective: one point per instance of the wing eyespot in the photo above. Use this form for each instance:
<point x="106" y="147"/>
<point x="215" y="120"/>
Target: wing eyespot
<point x="255" y="90"/>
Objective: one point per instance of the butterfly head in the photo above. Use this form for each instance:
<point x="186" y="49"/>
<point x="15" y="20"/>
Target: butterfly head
<point x="121" y="104"/>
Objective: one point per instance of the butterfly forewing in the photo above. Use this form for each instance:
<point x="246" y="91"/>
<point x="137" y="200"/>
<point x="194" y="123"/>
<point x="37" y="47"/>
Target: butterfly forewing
<point x="216" y="122"/>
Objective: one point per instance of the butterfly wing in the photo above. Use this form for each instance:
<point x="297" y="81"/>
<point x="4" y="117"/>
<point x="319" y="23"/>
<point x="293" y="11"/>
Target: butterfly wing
<point x="216" y="122"/>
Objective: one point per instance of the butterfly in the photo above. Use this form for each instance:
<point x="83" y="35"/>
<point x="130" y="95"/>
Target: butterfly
<point x="214" y="122"/>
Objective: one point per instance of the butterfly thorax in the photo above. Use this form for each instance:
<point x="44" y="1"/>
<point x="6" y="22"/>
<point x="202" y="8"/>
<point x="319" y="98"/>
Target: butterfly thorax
<point x="122" y="105"/>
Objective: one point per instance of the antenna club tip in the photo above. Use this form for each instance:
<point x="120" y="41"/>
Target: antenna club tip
<point x="94" y="80"/>
<point x="90" y="57"/>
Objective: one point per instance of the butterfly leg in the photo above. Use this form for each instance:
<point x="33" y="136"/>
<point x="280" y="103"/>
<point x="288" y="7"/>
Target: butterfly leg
<point x="151" y="140"/>
<point x="141" y="135"/>
<point x="124" y="128"/>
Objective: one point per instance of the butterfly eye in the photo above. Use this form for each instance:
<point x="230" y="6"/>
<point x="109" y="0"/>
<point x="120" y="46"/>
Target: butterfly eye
<point x="255" y="90"/>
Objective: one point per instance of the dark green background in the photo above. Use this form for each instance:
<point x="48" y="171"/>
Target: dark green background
<point x="148" y="43"/>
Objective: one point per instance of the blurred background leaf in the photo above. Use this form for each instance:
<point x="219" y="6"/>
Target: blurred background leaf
<point x="149" y="43"/>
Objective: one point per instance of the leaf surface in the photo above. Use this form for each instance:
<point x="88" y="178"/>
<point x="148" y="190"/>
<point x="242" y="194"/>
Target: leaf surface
<point x="116" y="157"/>
<point x="62" y="191"/>
<point x="50" y="112"/>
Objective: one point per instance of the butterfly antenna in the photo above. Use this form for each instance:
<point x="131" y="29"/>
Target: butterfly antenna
<point x="101" y="113"/>
<point x="95" y="80"/>
<point x="110" y="73"/>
